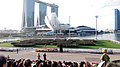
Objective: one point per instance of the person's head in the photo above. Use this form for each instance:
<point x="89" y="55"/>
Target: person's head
<point x="88" y="64"/>
<point x="82" y="64"/>
<point x="9" y="63"/>
<point x="75" y="64"/>
<point x="20" y="64"/>
<point x="3" y="61"/>
<point x="104" y="51"/>
<point x="38" y="63"/>
<point x="14" y="64"/>
<point x="55" y="64"/>
<point x="28" y="63"/>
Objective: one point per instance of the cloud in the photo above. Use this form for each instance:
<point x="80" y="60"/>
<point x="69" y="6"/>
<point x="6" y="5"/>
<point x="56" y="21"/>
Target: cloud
<point x="108" y="3"/>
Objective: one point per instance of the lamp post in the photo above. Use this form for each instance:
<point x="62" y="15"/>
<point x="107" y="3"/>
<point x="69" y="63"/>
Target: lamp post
<point x="69" y="27"/>
<point x="96" y="27"/>
<point x="55" y="27"/>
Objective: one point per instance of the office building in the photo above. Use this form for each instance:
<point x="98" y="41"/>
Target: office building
<point x="117" y="20"/>
<point x="28" y="14"/>
<point x="42" y="13"/>
<point x="54" y="9"/>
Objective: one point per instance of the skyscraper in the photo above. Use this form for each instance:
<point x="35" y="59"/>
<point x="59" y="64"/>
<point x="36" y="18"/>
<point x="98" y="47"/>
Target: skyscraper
<point x="117" y="20"/>
<point x="42" y="13"/>
<point x="54" y="9"/>
<point x="28" y="13"/>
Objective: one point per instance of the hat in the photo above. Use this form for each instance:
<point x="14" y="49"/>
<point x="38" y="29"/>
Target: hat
<point x="104" y="51"/>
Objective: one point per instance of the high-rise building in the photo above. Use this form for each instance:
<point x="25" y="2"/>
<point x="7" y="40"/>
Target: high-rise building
<point x="117" y="20"/>
<point x="42" y="13"/>
<point x="28" y="13"/>
<point x="54" y="9"/>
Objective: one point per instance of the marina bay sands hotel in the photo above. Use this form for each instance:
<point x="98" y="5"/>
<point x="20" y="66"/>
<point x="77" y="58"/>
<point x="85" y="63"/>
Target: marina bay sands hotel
<point x="44" y="22"/>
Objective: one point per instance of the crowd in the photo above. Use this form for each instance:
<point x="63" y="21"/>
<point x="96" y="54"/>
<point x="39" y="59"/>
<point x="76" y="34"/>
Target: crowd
<point x="7" y="62"/>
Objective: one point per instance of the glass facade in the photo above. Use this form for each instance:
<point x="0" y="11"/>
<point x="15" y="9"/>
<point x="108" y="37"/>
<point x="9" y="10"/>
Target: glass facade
<point x="54" y="8"/>
<point x="28" y="13"/>
<point x="42" y="13"/>
<point x="117" y="20"/>
<point x="23" y="22"/>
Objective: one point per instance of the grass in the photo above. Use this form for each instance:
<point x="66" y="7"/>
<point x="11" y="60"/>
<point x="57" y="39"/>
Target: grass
<point x="37" y="46"/>
<point x="6" y="45"/>
<point x="102" y="44"/>
<point x="99" y="44"/>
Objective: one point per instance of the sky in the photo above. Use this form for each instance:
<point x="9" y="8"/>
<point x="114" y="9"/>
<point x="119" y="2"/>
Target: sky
<point x="81" y="12"/>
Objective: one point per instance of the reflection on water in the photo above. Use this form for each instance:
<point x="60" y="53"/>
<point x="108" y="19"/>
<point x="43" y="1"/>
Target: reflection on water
<point x="9" y="39"/>
<point x="117" y="37"/>
<point x="110" y="36"/>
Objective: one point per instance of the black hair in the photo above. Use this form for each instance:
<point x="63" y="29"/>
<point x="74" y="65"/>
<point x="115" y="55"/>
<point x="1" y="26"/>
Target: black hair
<point x="27" y="63"/>
<point x="3" y="60"/>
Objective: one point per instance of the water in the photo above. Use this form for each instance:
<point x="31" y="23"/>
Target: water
<point x="110" y="36"/>
<point x="9" y="39"/>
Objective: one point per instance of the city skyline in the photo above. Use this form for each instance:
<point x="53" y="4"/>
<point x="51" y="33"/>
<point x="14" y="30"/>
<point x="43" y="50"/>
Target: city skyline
<point x="82" y="12"/>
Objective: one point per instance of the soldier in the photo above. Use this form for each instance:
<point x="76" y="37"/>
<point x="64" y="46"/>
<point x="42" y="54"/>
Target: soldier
<point x="61" y="47"/>
<point x="44" y="55"/>
<point x="38" y="56"/>
<point x="17" y="50"/>
<point x="105" y="56"/>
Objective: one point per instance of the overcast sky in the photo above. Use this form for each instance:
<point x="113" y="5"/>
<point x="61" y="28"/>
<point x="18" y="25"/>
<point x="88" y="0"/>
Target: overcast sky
<point x="82" y="12"/>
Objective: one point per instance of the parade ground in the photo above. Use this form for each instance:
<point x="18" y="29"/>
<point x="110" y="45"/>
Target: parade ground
<point x="58" y="56"/>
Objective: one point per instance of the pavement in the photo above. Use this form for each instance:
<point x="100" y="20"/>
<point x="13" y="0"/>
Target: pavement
<point x="69" y="50"/>
<point x="59" y="56"/>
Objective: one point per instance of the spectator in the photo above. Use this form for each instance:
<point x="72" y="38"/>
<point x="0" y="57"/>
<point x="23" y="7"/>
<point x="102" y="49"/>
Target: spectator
<point x="20" y="64"/>
<point x="9" y="63"/>
<point x="54" y="64"/>
<point x="88" y="64"/>
<point x="28" y="63"/>
<point x="59" y="64"/>
<point x="38" y="63"/>
<point x="105" y="57"/>
<point x="75" y="64"/>
<point x="82" y="64"/>
<point x="49" y="63"/>
<point x="3" y="61"/>
<point x="43" y="64"/>
<point x="14" y="64"/>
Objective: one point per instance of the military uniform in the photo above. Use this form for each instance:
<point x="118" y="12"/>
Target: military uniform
<point x="105" y="57"/>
